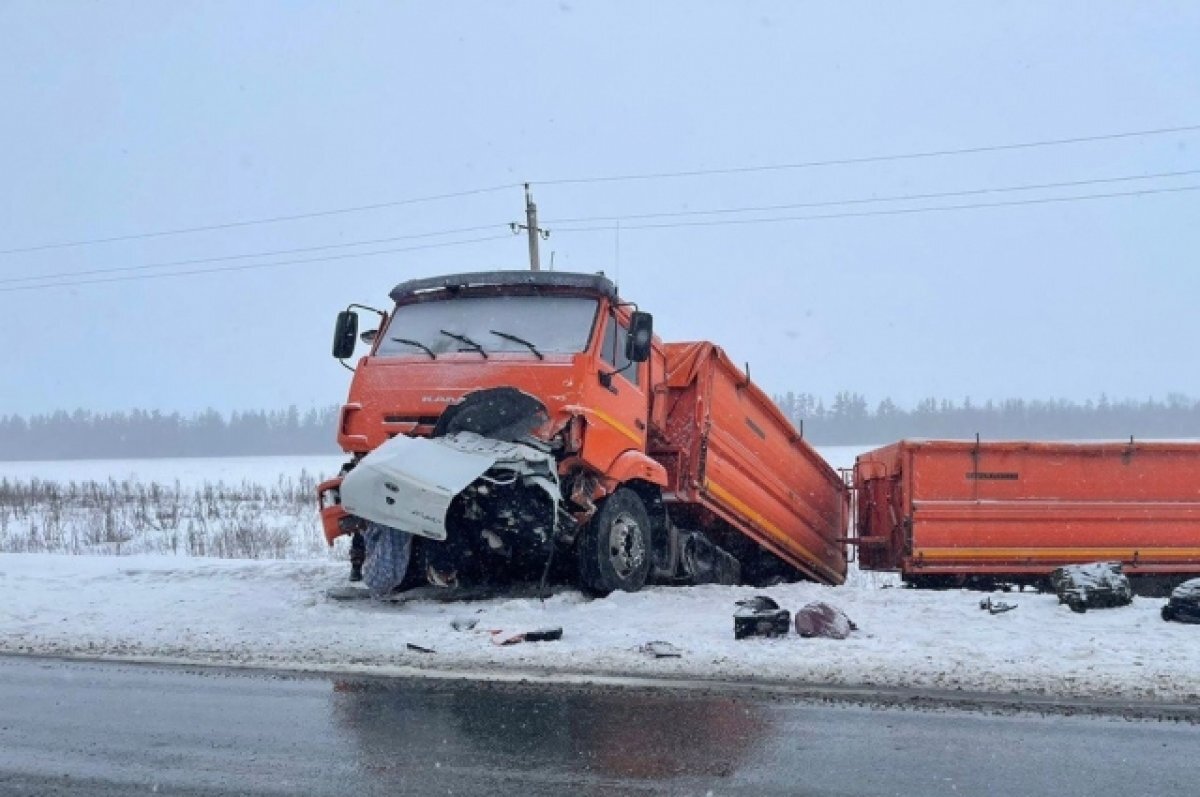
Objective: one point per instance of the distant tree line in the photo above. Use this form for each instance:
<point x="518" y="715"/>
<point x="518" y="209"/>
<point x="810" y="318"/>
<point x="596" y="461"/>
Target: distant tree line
<point x="849" y="419"/>
<point x="141" y="433"/>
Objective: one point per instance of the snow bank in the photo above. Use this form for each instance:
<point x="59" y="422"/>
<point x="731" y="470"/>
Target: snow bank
<point x="275" y="613"/>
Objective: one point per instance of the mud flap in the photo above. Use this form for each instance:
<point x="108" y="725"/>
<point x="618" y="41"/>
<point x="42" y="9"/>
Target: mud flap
<point x="702" y="562"/>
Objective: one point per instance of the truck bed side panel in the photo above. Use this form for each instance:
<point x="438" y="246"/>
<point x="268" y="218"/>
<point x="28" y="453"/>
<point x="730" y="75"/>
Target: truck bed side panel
<point x="732" y="455"/>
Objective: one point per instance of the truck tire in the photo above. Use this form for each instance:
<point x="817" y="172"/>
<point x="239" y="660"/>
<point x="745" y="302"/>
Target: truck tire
<point x="614" y="549"/>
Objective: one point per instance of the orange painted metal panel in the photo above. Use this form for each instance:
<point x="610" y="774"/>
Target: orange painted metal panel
<point x="942" y="507"/>
<point x="732" y="455"/>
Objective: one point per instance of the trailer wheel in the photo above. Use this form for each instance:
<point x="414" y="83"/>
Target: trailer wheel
<point x="614" y="548"/>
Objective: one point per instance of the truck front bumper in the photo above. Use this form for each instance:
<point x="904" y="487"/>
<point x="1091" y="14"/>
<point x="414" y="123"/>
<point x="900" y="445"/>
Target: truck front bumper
<point x="335" y="521"/>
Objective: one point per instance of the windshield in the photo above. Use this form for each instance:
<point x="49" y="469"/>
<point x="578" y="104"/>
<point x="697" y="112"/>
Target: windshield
<point x="532" y="325"/>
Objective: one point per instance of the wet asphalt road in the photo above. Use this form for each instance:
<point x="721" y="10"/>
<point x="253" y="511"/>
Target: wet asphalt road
<point x="106" y="729"/>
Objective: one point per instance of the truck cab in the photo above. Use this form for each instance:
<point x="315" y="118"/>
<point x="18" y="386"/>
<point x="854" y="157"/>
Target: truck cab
<point x="561" y="338"/>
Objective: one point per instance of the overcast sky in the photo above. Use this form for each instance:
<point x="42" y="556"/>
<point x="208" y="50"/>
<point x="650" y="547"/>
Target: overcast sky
<point x="126" y="118"/>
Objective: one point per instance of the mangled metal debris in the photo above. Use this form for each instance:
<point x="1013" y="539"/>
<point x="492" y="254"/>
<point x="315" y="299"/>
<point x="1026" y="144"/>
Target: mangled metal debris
<point x="1099" y="585"/>
<point x="409" y="482"/>
<point x="996" y="607"/>
<point x="660" y="650"/>
<point x="760" y="616"/>
<point x="500" y="637"/>
<point x="1184" y="604"/>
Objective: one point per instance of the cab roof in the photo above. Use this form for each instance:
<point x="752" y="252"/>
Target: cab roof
<point x="592" y="283"/>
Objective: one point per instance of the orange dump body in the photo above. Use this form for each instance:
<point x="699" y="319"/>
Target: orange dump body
<point x="1022" y="509"/>
<point x="733" y="460"/>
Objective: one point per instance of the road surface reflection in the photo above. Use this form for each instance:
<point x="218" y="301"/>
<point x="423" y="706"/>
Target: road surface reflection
<point x="397" y="729"/>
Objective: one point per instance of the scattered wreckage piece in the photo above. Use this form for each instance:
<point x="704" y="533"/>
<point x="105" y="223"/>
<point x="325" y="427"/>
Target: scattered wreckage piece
<point x="819" y="619"/>
<point x="348" y="592"/>
<point x="660" y="650"/>
<point x="996" y="607"/>
<point x="1184" y="604"/>
<point x="419" y="648"/>
<point x="760" y="616"/>
<point x="500" y="637"/>
<point x="1099" y="585"/>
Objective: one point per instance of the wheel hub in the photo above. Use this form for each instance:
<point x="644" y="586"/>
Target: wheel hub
<point x="626" y="549"/>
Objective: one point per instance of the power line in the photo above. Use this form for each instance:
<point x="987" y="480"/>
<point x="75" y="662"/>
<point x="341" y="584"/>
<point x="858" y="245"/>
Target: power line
<point x="867" y="158"/>
<point x="196" y="261"/>
<point x="708" y="223"/>
<point x="888" y="212"/>
<point x="602" y="179"/>
<point x="252" y="222"/>
<point x="247" y="267"/>
<point x="610" y="178"/>
<point x="619" y="225"/>
<point x="870" y="200"/>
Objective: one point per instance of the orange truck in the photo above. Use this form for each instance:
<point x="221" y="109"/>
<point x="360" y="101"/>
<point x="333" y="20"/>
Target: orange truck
<point x="946" y="513"/>
<point x="507" y="425"/>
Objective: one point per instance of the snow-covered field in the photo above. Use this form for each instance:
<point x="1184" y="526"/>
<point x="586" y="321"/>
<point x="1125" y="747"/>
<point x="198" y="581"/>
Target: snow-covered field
<point x="189" y="472"/>
<point x="276" y="613"/>
<point x="236" y="507"/>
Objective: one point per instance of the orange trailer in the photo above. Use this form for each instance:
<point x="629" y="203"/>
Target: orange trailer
<point x="946" y="512"/>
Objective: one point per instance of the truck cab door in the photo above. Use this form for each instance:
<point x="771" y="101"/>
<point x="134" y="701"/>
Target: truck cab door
<point x="618" y="397"/>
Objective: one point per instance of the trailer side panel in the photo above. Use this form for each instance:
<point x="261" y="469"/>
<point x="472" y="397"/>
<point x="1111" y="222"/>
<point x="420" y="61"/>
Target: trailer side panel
<point x="1023" y="509"/>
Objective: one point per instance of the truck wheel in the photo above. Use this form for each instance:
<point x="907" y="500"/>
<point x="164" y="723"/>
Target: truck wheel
<point x="614" y="549"/>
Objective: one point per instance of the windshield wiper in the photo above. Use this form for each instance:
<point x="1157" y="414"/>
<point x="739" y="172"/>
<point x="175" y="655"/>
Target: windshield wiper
<point x="464" y="339"/>
<point x="522" y="341"/>
<point x="419" y="345"/>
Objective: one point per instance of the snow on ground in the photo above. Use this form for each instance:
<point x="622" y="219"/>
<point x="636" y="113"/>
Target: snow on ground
<point x="276" y="613"/>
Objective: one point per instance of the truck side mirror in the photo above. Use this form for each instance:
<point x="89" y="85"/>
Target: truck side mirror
<point x="641" y="334"/>
<point x="344" y="334"/>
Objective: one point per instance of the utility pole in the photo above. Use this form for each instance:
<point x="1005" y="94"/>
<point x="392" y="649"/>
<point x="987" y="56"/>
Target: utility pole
<point x="532" y="228"/>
